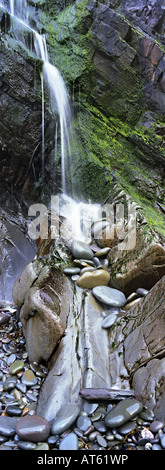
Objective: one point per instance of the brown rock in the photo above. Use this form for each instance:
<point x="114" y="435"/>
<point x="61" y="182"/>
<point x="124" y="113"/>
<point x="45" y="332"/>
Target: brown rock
<point x="33" y="428"/>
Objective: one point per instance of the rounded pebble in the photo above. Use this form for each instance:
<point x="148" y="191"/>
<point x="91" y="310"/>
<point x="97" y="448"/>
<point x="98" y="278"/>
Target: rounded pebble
<point x="70" y="442"/>
<point x="33" y="428"/>
<point x="83" y="423"/>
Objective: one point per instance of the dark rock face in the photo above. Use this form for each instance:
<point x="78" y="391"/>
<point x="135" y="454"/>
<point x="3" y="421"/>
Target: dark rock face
<point x="21" y="104"/>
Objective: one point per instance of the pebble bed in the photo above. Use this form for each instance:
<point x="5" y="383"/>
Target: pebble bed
<point x="22" y="429"/>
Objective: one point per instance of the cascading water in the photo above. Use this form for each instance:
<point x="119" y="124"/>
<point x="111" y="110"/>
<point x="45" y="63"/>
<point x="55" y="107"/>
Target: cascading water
<point x="75" y="212"/>
<point x="59" y="101"/>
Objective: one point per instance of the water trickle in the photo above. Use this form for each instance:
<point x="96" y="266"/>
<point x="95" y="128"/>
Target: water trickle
<point x="59" y="100"/>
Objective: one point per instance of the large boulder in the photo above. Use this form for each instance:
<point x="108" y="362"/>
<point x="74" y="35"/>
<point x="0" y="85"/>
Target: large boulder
<point x="45" y="297"/>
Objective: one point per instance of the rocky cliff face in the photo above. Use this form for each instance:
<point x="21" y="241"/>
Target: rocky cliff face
<point x="111" y="55"/>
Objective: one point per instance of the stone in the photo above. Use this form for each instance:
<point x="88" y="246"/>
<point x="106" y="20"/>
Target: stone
<point x="100" y="426"/>
<point x="42" y="446"/>
<point x="109" y="296"/>
<point x="126" y="428"/>
<point x="7" y="426"/>
<point x="81" y="250"/>
<point x="71" y="271"/>
<point x="156" y="425"/>
<point x="16" y="367"/>
<point x="26" y="445"/>
<point x="44" y="313"/>
<point x="123" y="412"/>
<point x="65" y="418"/>
<point x="102" y="252"/>
<point x="4" y="318"/>
<point x="13" y="410"/>
<point x="131" y="304"/>
<point x="142" y="292"/>
<point x="109" y="321"/>
<point x="88" y="280"/>
<point x="29" y="378"/>
<point x="33" y="428"/>
<point x="70" y="442"/>
<point x="83" y="423"/>
<point x="101" y="441"/>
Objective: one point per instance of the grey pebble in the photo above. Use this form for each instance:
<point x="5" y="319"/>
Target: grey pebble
<point x="26" y="445"/>
<point x="101" y="441"/>
<point x="100" y="426"/>
<point x="69" y="442"/>
<point x="162" y="440"/>
<point x="83" y="422"/>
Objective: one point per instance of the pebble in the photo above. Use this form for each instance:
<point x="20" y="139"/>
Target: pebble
<point x="83" y="422"/>
<point x="131" y="304"/>
<point x="7" y="426"/>
<point x="33" y="428"/>
<point x="142" y="292"/>
<point x="81" y="250"/>
<point x="70" y="442"/>
<point x="16" y="367"/>
<point x="102" y="252"/>
<point x="4" y="318"/>
<point x="162" y="440"/>
<point x="65" y="418"/>
<point x="101" y="441"/>
<point x="29" y="378"/>
<point x="71" y="271"/>
<point x="88" y="280"/>
<point x="26" y="445"/>
<point x="127" y="428"/>
<point x="109" y="296"/>
<point x="13" y="410"/>
<point x="155" y="426"/>
<point x="122" y="412"/>
<point x="109" y="321"/>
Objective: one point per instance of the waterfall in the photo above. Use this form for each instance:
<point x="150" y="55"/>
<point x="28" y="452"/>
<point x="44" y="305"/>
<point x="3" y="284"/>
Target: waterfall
<point x="59" y="102"/>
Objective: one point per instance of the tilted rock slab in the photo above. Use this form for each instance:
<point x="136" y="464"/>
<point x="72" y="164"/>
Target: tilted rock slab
<point x="137" y="345"/>
<point x="46" y="297"/>
<point x="82" y="358"/>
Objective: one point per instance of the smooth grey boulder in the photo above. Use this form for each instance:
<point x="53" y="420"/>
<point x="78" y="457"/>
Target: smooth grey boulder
<point x="81" y="250"/>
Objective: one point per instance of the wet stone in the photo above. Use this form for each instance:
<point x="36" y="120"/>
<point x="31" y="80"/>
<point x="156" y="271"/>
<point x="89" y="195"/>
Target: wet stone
<point x="7" y="426"/>
<point x="100" y="426"/>
<point x="101" y="441"/>
<point x="127" y="428"/>
<point x="109" y="320"/>
<point x="83" y="423"/>
<point x="162" y="440"/>
<point x="81" y="250"/>
<point x="33" y="428"/>
<point x="26" y="445"/>
<point x="29" y="378"/>
<point x="122" y="412"/>
<point x="16" y="367"/>
<point x="13" y="410"/>
<point x="71" y="271"/>
<point x="109" y="296"/>
<point x="4" y="318"/>
<point x="142" y="292"/>
<point x="65" y="418"/>
<point x="69" y="442"/>
<point x="155" y="426"/>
